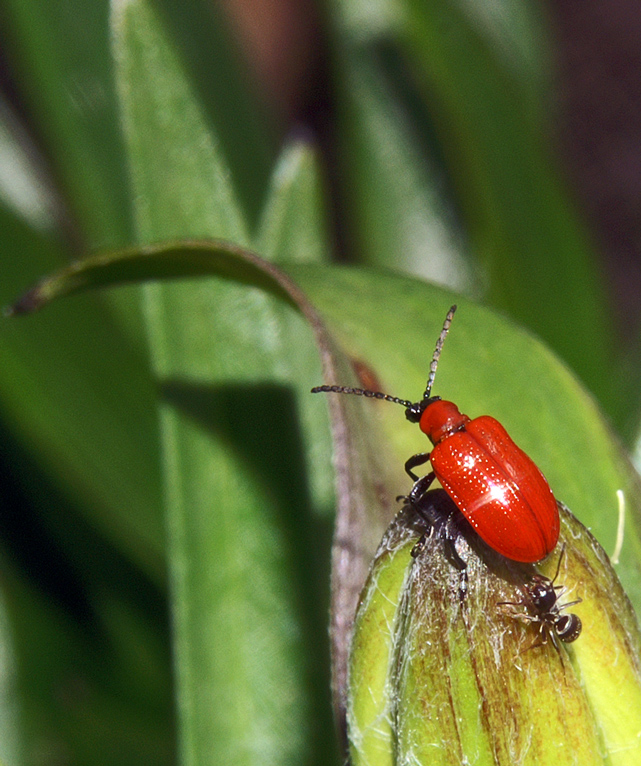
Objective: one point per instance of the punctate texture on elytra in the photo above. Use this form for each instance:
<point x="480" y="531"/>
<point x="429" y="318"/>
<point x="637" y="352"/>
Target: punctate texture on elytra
<point x="499" y="489"/>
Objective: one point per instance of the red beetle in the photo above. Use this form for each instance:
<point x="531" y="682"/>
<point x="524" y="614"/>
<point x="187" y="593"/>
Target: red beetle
<point x="497" y="487"/>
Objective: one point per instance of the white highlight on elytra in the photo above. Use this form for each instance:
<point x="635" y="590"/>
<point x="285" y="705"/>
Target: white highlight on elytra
<point x="469" y="461"/>
<point x="620" y="528"/>
<point x="497" y="492"/>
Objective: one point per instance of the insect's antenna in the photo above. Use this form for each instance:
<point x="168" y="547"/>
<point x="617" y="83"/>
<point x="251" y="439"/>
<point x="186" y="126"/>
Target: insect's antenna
<point x="437" y="351"/>
<point x="360" y="392"/>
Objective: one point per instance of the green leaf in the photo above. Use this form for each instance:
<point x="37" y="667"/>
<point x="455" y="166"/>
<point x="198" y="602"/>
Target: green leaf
<point x="227" y="94"/>
<point x="451" y="171"/>
<point x="493" y="128"/>
<point x="180" y="179"/>
<point x="293" y="225"/>
<point x="243" y="596"/>
<point x="76" y="394"/>
<point x="152" y="262"/>
<point x="60" y="56"/>
<point x="88" y="688"/>
<point x="396" y="192"/>
<point x="22" y="187"/>
<point x="10" y="746"/>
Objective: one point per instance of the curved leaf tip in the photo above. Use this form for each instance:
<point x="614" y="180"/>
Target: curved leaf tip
<point x="167" y="260"/>
<point x="28" y="303"/>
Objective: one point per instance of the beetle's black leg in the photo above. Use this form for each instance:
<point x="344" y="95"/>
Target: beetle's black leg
<point x="449" y="533"/>
<point x="420" y="488"/>
<point x="419" y="547"/>
<point x="440" y="514"/>
<point x="420" y="459"/>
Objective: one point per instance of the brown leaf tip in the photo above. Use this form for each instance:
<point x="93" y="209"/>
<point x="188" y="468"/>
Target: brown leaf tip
<point x="27" y="304"/>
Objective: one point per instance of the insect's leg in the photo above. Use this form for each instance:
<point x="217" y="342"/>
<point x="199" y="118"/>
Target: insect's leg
<point x="420" y="459"/>
<point x="543" y="634"/>
<point x="419" y="489"/>
<point x="448" y="535"/>
<point x="419" y="547"/>
<point x="422" y="511"/>
<point x="518" y="615"/>
<point x="568" y="605"/>
<point x="558" y="564"/>
<point x="557" y="646"/>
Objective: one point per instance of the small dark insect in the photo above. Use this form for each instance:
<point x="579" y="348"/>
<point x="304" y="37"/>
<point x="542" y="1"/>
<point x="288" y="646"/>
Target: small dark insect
<point x="542" y="601"/>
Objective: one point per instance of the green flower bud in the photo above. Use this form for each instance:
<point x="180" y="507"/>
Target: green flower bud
<point x="457" y="665"/>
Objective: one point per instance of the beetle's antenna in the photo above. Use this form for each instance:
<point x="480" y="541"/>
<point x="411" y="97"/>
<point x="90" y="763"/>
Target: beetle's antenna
<point x="437" y="351"/>
<point x="394" y="399"/>
<point x="360" y="392"/>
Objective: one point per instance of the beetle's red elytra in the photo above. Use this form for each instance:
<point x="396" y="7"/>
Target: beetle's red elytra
<point x="496" y="486"/>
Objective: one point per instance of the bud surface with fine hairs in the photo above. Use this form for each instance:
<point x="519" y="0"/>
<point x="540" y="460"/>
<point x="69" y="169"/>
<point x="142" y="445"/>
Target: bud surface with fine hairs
<point x="454" y="662"/>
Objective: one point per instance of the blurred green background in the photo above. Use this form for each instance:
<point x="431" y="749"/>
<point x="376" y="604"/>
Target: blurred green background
<point x="166" y="486"/>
